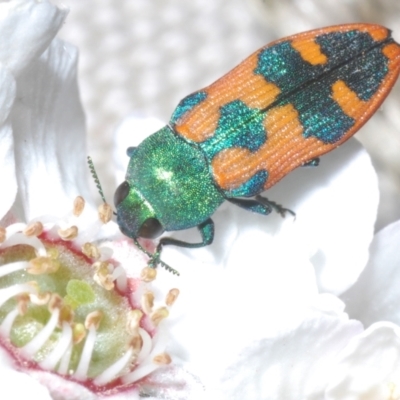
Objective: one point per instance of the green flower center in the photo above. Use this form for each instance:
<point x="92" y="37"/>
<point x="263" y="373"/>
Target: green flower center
<point x="71" y="312"/>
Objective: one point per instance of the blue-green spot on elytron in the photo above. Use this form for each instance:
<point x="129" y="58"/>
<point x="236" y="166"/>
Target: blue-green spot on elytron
<point x="187" y="104"/>
<point x="238" y="126"/>
<point x="234" y="139"/>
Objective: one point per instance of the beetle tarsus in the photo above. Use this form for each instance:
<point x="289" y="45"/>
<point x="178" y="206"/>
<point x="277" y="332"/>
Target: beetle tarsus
<point x="282" y="211"/>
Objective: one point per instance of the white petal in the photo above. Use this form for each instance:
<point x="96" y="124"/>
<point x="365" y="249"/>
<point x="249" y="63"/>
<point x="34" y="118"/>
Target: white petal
<point x="336" y="205"/>
<point x="8" y="181"/>
<point x="65" y="389"/>
<point x="18" y="385"/>
<point x="27" y="27"/>
<point x="369" y="367"/>
<point x="294" y="363"/>
<point x="376" y="295"/>
<point x="50" y="143"/>
<point x="130" y="133"/>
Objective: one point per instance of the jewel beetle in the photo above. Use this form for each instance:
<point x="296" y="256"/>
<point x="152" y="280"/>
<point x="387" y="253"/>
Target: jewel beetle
<point x="283" y="107"/>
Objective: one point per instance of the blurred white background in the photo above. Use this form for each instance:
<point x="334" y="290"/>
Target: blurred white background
<point x="142" y="56"/>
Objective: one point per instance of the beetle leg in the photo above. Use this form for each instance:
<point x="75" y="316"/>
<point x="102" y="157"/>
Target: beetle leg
<point x="206" y="229"/>
<point x="261" y="205"/>
<point x="275" y="206"/>
<point x="312" y="163"/>
<point x="252" y="205"/>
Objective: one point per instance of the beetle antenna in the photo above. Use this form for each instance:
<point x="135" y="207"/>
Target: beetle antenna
<point x="158" y="261"/>
<point x="96" y="178"/>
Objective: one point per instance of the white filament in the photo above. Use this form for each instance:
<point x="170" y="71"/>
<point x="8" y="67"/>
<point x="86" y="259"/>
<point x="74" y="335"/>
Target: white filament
<point x="59" y="350"/>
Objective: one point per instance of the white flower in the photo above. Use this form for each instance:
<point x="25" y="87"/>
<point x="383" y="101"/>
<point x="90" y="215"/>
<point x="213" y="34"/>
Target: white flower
<point x="257" y="318"/>
<point x="42" y="121"/>
<point x="250" y="323"/>
<point x="376" y="297"/>
<point x="75" y="314"/>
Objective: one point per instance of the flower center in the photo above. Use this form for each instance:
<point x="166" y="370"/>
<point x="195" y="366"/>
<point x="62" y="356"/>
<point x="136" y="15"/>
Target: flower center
<point x="71" y="310"/>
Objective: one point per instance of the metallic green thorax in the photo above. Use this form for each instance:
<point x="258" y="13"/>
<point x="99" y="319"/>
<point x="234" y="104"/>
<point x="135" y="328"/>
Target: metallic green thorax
<point x="169" y="180"/>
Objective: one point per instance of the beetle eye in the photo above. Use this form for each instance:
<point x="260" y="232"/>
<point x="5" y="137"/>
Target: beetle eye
<point x="121" y="192"/>
<point x="151" y="228"/>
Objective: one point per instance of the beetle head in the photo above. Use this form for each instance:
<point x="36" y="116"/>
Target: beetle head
<point x="135" y="216"/>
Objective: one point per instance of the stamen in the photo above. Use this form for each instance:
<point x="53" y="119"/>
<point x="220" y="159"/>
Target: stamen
<point x="92" y="323"/>
<point x="103" y="275"/>
<point x="32" y="347"/>
<point x="79" y="205"/>
<point x="11" y="291"/>
<point x="143" y="369"/>
<point x="159" y="314"/>
<point x="113" y="370"/>
<point x="105" y="252"/>
<point x="13" y="267"/>
<point x="120" y="277"/>
<point x="8" y="322"/>
<point x="42" y="265"/>
<point x="65" y="360"/>
<point x="59" y="350"/>
<point x="148" y="274"/>
<point x="93" y="319"/>
<point x="171" y="297"/>
<point x="22" y="303"/>
<point x="33" y="229"/>
<point x="15" y="228"/>
<point x="147" y="302"/>
<point x="105" y="213"/>
<point x="16" y="238"/>
<point x="52" y="339"/>
<point x="162" y="359"/>
<point x="147" y="344"/>
<point x="68" y="234"/>
<point x="66" y="314"/>
<point x="83" y="366"/>
<point x="133" y="321"/>
<point x="40" y="299"/>
<point x="90" y="250"/>
<point x="137" y="343"/>
<point x="3" y="233"/>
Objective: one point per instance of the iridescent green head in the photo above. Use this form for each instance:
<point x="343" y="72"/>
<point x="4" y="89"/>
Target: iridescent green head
<point x="135" y="216"/>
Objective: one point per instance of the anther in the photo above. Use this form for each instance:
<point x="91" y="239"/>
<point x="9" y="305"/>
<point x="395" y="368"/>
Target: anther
<point x="68" y="234"/>
<point x="90" y="250"/>
<point x="66" y="314"/>
<point x="147" y="302"/>
<point x="162" y="359"/>
<point x="159" y="314"/>
<point x="55" y="302"/>
<point x="3" y="234"/>
<point x="171" y="297"/>
<point x="93" y="319"/>
<point x="103" y="275"/>
<point x="133" y="321"/>
<point x="22" y="303"/>
<point x="79" y="205"/>
<point x="148" y="274"/>
<point x="40" y="299"/>
<point x="34" y="229"/>
<point x="105" y="213"/>
<point x="42" y="265"/>
<point x="137" y="343"/>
